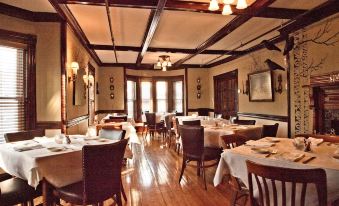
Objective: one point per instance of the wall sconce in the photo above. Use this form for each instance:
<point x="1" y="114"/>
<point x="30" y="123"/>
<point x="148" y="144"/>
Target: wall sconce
<point x="88" y="80"/>
<point x="279" y="89"/>
<point x="246" y="87"/>
<point x="198" y="88"/>
<point x="74" y="68"/>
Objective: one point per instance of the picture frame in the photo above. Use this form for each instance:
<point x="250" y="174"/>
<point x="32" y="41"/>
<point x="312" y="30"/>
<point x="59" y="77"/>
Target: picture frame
<point x="111" y="87"/>
<point x="261" y="86"/>
<point x="111" y="79"/>
<point x="112" y="95"/>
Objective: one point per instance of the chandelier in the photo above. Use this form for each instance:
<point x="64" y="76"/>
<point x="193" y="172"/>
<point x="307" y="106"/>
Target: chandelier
<point x="227" y="10"/>
<point x="164" y="61"/>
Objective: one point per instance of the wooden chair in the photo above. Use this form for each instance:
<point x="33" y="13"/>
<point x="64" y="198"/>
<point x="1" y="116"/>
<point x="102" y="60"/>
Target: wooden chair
<point x="203" y="111"/>
<point x="285" y="175"/>
<point x="270" y="130"/>
<point x="152" y="126"/>
<point x="16" y="191"/>
<point x="24" y="135"/>
<point x="177" y="131"/>
<point x="326" y="138"/>
<point x="114" y="120"/>
<point x="192" y="123"/>
<point x="244" y="122"/>
<point x="122" y="118"/>
<point x="170" y="131"/>
<point x="101" y="175"/>
<point x="194" y="150"/>
<point x="239" y="189"/>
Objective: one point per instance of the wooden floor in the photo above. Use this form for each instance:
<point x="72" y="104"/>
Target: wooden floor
<point x="151" y="178"/>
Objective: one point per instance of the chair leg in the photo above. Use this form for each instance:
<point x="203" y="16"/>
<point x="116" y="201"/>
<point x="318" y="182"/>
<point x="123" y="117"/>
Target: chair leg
<point x="123" y="192"/>
<point x="198" y="168"/>
<point x="119" y="202"/>
<point x="203" y="173"/>
<point x="182" y="168"/>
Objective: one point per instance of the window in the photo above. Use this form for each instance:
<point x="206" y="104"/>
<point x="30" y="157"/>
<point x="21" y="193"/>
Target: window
<point x="178" y="96"/>
<point x="12" y="90"/>
<point x="131" y="98"/>
<point x="161" y="96"/>
<point x="146" y="96"/>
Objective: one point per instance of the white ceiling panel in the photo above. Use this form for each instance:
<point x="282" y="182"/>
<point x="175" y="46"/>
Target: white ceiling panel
<point x="93" y="21"/>
<point x="249" y="2"/>
<point x="297" y="4"/>
<point x="123" y="56"/>
<point x="32" y="5"/>
<point x="203" y="59"/>
<point x="152" y="57"/>
<point x="251" y="29"/>
<point x="178" y="29"/>
<point x="129" y="25"/>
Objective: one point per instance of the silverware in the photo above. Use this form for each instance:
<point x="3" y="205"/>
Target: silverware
<point x="308" y="159"/>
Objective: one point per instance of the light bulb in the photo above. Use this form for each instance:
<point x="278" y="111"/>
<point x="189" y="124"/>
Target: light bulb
<point x="228" y="1"/>
<point x="169" y="64"/>
<point x="242" y="4"/>
<point x="214" y="5"/>
<point x="227" y="10"/>
<point x="75" y="67"/>
<point x="159" y="64"/>
<point x="163" y="69"/>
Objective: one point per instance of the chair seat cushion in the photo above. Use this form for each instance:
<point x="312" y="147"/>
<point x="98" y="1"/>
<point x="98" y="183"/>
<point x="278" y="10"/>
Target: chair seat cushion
<point x="15" y="191"/>
<point x="212" y="153"/>
<point x="71" y="193"/>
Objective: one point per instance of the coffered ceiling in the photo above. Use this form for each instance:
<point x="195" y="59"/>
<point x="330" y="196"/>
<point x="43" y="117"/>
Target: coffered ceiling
<point x="183" y="29"/>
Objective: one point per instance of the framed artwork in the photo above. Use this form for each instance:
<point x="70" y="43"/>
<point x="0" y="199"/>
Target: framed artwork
<point x="261" y="86"/>
<point x="111" y="79"/>
<point x="111" y="87"/>
<point x="112" y="95"/>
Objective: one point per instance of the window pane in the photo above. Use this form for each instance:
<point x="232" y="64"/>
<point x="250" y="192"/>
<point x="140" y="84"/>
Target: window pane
<point x="161" y="87"/>
<point x="12" y="93"/>
<point x="178" y="96"/>
<point x="146" y="97"/>
<point x="131" y="90"/>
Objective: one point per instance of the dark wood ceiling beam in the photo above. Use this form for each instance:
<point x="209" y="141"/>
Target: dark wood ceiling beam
<point x="236" y="22"/>
<point x="156" y="49"/>
<point x="323" y="11"/>
<point x="190" y="6"/>
<point x="150" y="30"/>
<point x="148" y="66"/>
<point x="111" y="30"/>
<point x="67" y="16"/>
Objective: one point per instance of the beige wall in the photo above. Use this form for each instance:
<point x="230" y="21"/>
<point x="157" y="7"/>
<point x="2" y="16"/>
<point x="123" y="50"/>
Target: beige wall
<point x="47" y="64"/>
<point x="192" y="75"/>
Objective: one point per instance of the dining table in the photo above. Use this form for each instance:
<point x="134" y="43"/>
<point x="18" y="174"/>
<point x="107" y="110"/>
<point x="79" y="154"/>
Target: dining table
<point x="46" y="161"/>
<point x="283" y="153"/>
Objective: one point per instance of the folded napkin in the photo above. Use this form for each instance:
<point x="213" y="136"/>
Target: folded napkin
<point x="259" y="143"/>
<point x="292" y="156"/>
<point x="315" y="141"/>
<point x="23" y="148"/>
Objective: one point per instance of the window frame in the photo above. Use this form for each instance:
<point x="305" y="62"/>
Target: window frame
<point x="28" y="42"/>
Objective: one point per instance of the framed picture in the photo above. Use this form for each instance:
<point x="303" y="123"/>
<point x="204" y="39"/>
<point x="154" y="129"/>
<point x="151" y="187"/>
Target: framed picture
<point x="261" y="86"/>
<point x="111" y="79"/>
<point x="112" y="95"/>
<point x="111" y="87"/>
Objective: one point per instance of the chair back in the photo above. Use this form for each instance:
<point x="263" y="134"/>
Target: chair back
<point x="114" y="120"/>
<point x="24" y="135"/>
<point x="102" y="171"/>
<point x="233" y="140"/>
<point x="192" y="123"/>
<point x="192" y="140"/>
<point x="179" y="114"/>
<point x="113" y="133"/>
<point x="121" y="118"/>
<point x="203" y="111"/>
<point x="270" y="130"/>
<point x="244" y="122"/>
<point x="300" y="177"/>
<point x="150" y="118"/>
<point x="176" y="126"/>
<point x="168" y="121"/>
<point x="326" y="138"/>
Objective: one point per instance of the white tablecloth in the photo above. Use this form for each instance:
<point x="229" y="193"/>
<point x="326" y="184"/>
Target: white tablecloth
<point x="234" y="162"/>
<point x="59" y="168"/>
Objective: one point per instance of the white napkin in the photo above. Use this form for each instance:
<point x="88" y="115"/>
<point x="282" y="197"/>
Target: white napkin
<point x="315" y="141"/>
<point x="292" y="156"/>
<point x="259" y="143"/>
<point x="22" y="148"/>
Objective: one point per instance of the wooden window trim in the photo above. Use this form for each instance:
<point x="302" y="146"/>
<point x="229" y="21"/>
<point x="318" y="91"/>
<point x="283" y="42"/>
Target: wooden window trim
<point x="28" y="42"/>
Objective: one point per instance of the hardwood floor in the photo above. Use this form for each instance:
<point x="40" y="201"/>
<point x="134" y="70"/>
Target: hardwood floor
<point x="151" y="178"/>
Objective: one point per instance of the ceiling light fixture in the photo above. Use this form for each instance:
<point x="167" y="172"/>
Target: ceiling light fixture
<point x="227" y="10"/>
<point x="164" y="61"/>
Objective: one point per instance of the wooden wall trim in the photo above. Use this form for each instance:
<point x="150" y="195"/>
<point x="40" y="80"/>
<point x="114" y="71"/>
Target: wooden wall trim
<point x="77" y="120"/>
<point x="264" y="116"/>
<point x="28" y="15"/>
<point x="63" y="55"/>
<point x="48" y="125"/>
<point x="109" y="111"/>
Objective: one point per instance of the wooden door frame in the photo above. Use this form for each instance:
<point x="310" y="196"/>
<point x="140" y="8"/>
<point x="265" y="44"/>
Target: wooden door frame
<point x="91" y="71"/>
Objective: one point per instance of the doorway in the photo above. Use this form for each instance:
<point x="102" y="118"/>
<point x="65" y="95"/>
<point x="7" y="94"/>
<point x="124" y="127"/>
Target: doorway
<point x="226" y="94"/>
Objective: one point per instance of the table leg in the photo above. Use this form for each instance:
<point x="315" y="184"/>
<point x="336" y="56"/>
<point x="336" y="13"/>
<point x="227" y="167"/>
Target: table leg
<point x="47" y="195"/>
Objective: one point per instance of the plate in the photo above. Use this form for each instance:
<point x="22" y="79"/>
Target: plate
<point x="56" y="149"/>
<point x="261" y="150"/>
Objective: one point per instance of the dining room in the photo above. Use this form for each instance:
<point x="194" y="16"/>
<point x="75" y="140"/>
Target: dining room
<point x="169" y="102"/>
